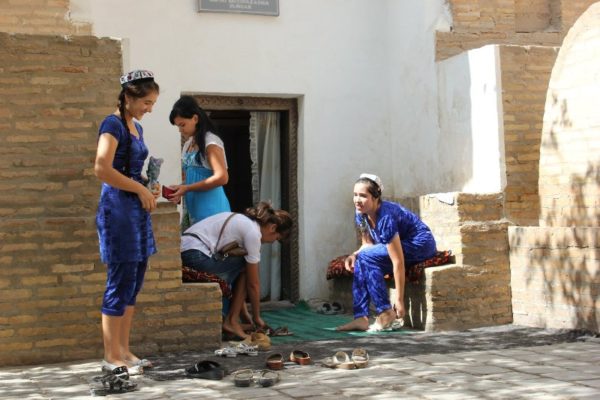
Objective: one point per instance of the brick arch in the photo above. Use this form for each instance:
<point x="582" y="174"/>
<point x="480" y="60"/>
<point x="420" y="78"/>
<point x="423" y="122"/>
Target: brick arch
<point x="569" y="173"/>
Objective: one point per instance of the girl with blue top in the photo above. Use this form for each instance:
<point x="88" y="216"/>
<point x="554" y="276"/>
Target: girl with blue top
<point x="392" y="239"/>
<point x="204" y="162"/>
<point x="123" y="217"/>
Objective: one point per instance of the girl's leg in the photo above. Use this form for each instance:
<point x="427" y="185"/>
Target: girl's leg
<point x="111" y="331"/>
<point x="231" y="323"/>
<point x="374" y="262"/>
<point x="140" y="273"/>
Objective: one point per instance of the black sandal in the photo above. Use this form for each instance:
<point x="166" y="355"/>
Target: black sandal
<point x="206" y="370"/>
<point x="114" y="382"/>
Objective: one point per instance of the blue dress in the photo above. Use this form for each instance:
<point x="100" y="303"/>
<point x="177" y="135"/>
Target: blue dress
<point x="373" y="263"/>
<point x="201" y="204"/>
<point x="124" y="227"/>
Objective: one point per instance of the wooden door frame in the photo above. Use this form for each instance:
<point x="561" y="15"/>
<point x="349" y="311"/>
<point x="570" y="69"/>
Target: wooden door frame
<point x="290" y="279"/>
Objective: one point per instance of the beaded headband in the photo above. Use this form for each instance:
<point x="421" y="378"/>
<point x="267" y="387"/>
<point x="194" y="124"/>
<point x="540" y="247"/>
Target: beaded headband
<point x="136" y="75"/>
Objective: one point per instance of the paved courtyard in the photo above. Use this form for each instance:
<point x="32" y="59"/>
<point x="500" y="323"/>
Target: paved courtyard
<point x="507" y="362"/>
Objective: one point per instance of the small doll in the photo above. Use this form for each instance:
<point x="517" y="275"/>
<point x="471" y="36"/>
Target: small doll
<point x="152" y="172"/>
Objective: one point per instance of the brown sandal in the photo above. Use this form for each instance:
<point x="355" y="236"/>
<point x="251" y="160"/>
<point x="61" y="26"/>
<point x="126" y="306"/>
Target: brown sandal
<point x="275" y="361"/>
<point x="300" y="357"/>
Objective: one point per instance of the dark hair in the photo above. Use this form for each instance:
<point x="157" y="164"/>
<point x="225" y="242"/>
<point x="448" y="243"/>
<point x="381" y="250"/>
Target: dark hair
<point x="137" y="90"/>
<point x="263" y="213"/>
<point x="372" y="187"/>
<point x="187" y="107"/>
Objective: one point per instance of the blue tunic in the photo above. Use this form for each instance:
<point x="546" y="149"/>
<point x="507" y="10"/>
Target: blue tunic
<point x="202" y="204"/>
<point x="417" y="241"/>
<point x="124" y="227"/>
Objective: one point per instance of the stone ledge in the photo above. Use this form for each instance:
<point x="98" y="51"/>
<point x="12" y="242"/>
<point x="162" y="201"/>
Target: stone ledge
<point x="450" y="297"/>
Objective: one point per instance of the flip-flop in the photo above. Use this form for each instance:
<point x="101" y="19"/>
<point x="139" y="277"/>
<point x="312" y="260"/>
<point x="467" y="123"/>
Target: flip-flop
<point x="360" y="357"/>
<point x="206" y="370"/>
<point x="300" y="357"/>
<point x="247" y="349"/>
<point x="113" y="382"/>
<point x="143" y="363"/>
<point x="243" y="377"/>
<point x="324" y="308"/>
<point x="392" y="326"/>
<point x="275" y="361"/>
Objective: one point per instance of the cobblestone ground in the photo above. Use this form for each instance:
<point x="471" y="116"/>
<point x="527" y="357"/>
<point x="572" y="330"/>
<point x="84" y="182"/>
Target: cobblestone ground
<point x="507" y="362"/>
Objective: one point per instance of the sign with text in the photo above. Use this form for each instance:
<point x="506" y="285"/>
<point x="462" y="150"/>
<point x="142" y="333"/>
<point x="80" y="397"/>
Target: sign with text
<point x="257" y="7"/>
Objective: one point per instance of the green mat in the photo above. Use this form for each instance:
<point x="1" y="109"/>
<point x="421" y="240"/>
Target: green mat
<point x="308" y="325"/>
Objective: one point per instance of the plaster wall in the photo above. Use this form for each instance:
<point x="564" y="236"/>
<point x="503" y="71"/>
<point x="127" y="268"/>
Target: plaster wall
<point x="470" y="146"/>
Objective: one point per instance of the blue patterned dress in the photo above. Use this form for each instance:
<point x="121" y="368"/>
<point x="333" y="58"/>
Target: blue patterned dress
<point x="374" y="262"/>
<point x="124" y="227"/>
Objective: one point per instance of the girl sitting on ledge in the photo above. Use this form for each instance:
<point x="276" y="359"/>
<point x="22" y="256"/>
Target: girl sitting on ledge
<point x="393" y="238"/>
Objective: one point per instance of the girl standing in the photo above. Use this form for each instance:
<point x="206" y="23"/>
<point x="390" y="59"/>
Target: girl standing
<point x="123" y="217"/>
<point x="204" y="162"/>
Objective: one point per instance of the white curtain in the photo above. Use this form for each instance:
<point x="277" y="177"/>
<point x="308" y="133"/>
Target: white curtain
<point x="266" y="185"/>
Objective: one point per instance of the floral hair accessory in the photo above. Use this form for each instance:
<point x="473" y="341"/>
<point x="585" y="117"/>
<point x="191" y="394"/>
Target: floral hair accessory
<point x="374" y="178"/>
<point x="136" y="75"/>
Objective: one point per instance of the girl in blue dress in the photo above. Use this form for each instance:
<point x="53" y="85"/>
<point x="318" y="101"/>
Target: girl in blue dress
<point x="204" y="162"/>
<point x="123" y="217"/>
<point x="392" y="239"/>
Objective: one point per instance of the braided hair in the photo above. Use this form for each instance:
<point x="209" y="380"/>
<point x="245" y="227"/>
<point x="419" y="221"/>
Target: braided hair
<point x="187" y="107"/>
<point x="134" y="89"/>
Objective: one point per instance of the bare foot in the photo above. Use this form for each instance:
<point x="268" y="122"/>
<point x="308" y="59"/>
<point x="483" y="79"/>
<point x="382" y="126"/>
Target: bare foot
<point x="386" y="318"/>
<point x="359" y="324"/>
<point x="234" y="329"/>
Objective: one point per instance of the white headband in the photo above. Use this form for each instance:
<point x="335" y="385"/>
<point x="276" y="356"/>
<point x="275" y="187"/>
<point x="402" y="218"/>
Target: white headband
<point x="374" y="178"/>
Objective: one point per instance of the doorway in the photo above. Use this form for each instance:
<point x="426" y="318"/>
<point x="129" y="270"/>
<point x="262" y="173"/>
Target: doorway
<point x="235" y="118"/>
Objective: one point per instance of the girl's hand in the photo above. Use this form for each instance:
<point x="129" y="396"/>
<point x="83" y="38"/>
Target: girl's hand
<point x="349" y="263"/>
<point x="399" y="308"/>
<point x="147" y="199"/>
<point x="156" y="190"/>
<point x="180" y="190"/>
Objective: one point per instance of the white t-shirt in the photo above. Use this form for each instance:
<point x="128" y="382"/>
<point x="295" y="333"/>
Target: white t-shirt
<point x="210" y="139"/>
<point x="240" y="229"/>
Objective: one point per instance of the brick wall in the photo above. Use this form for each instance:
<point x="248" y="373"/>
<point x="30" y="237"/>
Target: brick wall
<point x="39" y="17"/>
<point x="53" y="94"/>
<point x="556" y="268"/>
<point x="477" y="23"/>
<point x="525" y="76"/>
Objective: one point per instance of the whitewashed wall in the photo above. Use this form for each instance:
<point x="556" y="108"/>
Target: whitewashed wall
<point x="363" y="71"/>
<point x="471" y="143"/>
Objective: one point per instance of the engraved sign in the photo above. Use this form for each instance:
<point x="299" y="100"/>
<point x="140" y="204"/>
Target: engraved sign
<point x="257" y="7"/>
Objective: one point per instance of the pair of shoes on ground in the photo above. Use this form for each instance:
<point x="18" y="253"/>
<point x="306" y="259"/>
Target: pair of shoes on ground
<point x="240" y="348"/>
<point x="341" y="359"/>
<point x="276" y="361"/>
<point x="115" y="380"/>
<point x="264" y="378"/>
<point x="206" y="370"/>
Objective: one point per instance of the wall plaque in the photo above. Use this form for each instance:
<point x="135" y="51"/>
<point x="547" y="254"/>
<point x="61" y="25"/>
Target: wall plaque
<point x="257" y="7"/>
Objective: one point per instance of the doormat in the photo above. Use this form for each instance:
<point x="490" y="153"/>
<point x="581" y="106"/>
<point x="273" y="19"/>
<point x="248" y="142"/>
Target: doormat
<point x="308" y="325"/>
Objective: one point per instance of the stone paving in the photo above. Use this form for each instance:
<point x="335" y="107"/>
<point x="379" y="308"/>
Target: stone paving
<point x="507" y="362"/>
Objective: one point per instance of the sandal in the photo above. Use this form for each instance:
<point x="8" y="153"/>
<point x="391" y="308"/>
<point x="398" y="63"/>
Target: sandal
<point x="275" y="361"/>
<point x="360" y="357"/>
<point x="243" y="377"/>
<point x="113" y="382"/>
<point x="341" y="359"/>
<point x="267" y="378"/>
<point x="247" y="349"/>
<point x="206" y="370"/>
<point x="226" y="352"/>
<point x="300" y="357"/>
<point x="281" y="331"/>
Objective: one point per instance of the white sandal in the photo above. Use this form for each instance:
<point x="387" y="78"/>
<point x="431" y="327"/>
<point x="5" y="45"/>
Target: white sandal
<point x="244" y="348"/>
<point x="226" y="352"/>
